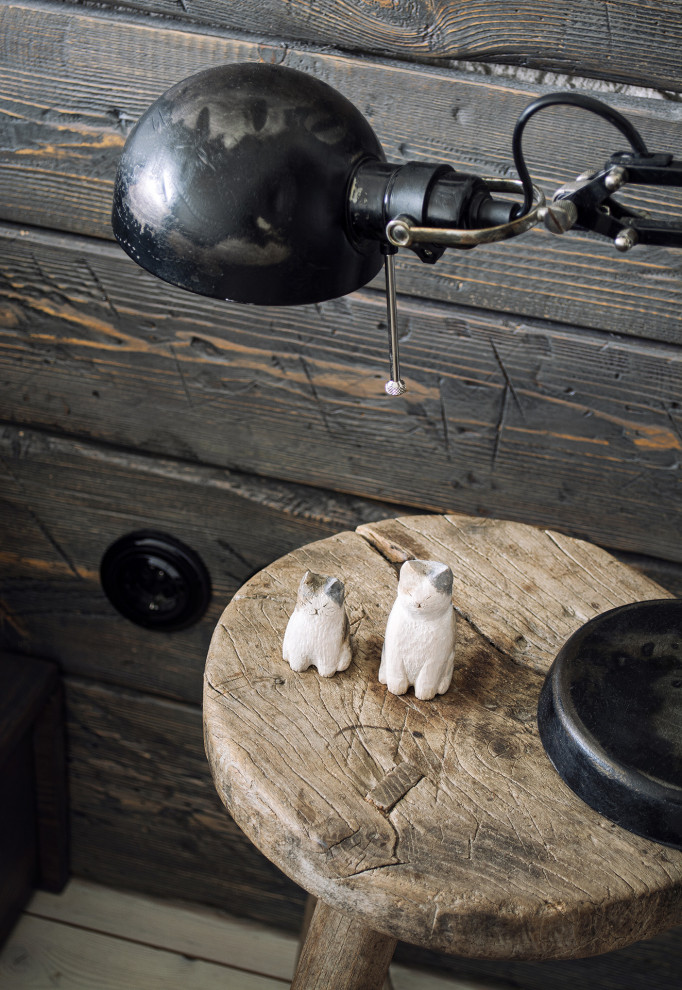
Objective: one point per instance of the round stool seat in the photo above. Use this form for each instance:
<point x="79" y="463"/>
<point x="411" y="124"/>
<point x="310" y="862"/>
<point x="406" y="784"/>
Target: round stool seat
<point x="442" y="823"/>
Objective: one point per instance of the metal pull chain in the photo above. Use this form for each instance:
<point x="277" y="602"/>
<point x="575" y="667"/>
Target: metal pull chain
<point x="395" y="386"/>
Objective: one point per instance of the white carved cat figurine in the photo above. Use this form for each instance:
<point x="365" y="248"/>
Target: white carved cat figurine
<point x="318" y="632"/>
<point x="419" y="646"/>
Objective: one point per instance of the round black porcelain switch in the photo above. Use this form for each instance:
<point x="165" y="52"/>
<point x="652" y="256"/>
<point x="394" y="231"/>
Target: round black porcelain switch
<point x="155" y="580"/>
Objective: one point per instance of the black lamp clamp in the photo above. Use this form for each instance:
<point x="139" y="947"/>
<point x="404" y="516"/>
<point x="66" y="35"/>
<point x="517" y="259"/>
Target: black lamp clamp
<point x="587" y="203"/>
<point x="261" y="184"/>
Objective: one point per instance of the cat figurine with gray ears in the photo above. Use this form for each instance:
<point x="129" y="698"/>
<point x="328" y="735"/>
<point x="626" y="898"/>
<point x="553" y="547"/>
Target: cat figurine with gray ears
<point x="318" y="632"/>
<point x="419" y="646"/>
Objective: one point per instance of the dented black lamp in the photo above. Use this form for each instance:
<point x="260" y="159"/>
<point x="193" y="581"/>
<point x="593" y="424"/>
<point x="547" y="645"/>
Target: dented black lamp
<point x="261" y="184"/>
<point x="233" y="185"/>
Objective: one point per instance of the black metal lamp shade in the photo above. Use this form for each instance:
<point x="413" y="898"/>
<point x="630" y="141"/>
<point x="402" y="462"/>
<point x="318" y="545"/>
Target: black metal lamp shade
<point x="610" y="717"/>
<point x="234" y="185"/>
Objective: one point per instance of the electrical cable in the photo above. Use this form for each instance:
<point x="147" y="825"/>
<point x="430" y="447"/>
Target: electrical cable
<point x="567" y="99"/>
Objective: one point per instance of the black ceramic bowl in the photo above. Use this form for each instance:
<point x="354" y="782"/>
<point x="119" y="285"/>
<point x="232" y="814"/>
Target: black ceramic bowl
<point x="610" y="717"/>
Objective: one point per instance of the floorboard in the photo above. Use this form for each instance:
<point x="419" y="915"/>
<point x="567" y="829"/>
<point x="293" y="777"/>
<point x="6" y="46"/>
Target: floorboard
<point x="95" y="938"/>
<point x="43" y="954"/>
<point x="169" y="925"/>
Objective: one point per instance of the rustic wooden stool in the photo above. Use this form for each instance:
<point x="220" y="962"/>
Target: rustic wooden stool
<point x="441" y="823"/>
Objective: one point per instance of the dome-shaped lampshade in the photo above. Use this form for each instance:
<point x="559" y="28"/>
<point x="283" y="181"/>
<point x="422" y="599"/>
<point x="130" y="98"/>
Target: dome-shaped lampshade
<point x="234" y="183"/>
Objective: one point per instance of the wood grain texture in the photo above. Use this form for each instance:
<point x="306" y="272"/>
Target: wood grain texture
<point x="63" y="502"/>
<point x="668" y="575"/>
<point x="513" y="418"/>
<point x="41" y="955"/>
<point x="145" y="815"/>
<point x="561" y="582"/>
<point x="627" y="41"/>
<point x="341" y="952"/>
<point x="184" y="928"/>
<point x="167" y="835"/>
<point x="59" y="146"/>
<point x="489" y="854"/>
<point x="653" y="964"/>
<point x="220" y="938"/>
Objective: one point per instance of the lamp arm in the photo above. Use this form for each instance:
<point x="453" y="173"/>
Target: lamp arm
<point x="443" y="209"/>
<point x="592" y="207"/>
<point x="587" y="203"/>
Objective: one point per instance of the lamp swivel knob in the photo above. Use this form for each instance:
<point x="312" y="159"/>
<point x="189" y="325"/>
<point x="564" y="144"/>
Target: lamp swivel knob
<point x="559" y="216"/>
<point x="399" y="232"/>
<point x="626" y="239"/>
<point x="615" y="178"/>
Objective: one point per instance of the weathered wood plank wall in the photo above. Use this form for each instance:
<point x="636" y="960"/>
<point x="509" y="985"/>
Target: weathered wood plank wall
<point x="115" y="355"/>
<point x="58" y="161"/>
<point x="545" y="374"/>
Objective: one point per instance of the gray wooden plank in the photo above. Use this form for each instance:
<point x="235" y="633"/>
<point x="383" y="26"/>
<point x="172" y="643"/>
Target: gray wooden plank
<point x="63" y="503"/>
<point x="41" y="954"/>
<point x="145" y="815"/>
<point x="630" y="42"/>
<point x="199" y="933"/>
<point x="60" y="142"/>
<point x="196" y="932"/>
<point x="514" y="418"/>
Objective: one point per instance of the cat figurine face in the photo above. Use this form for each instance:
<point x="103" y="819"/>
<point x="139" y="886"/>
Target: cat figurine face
<point x="419" y="646"/>
<point x="318" y="632"/>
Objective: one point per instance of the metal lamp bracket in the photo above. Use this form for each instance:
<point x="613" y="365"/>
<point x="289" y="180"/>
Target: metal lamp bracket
<point x="403" y="232"/>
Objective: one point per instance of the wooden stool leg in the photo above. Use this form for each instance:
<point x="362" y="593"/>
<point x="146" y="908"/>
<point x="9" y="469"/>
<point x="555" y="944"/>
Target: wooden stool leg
<point x="342" y="953"/>
<point x="309" y="911"/>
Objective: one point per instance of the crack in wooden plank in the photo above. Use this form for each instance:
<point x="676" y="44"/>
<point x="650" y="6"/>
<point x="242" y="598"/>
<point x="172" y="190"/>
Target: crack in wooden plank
<point x="40" y="524"/>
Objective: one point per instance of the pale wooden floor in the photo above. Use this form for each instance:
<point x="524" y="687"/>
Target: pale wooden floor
<point x="94" y="938"/>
